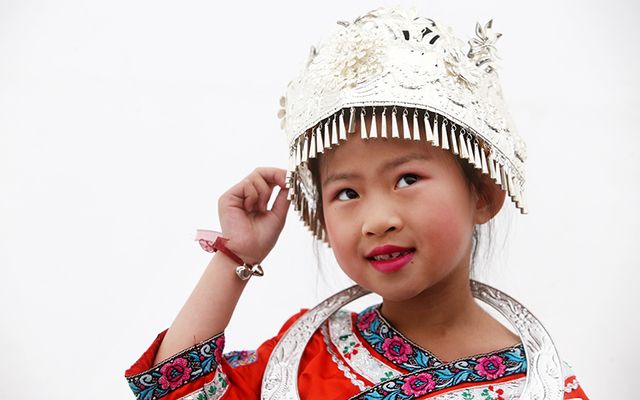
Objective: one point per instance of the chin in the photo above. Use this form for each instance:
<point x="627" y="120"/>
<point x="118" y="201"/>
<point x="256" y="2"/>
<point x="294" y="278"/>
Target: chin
<point x="394" y="291"/>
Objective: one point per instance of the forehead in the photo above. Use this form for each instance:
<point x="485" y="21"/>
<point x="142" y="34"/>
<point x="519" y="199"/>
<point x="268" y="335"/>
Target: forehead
<point x="357" y="153"/>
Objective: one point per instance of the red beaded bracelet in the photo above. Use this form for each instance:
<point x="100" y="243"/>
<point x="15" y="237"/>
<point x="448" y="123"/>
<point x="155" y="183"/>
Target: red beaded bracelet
<point x="212" y="241"/>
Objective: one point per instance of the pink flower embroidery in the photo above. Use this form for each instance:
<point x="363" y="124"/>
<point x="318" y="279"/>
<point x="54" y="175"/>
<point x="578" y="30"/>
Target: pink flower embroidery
<point x="490" y="367"/>
<point x="419" y="385"/>
<point x="396" y="349"/>
<point x="217" y="353"/>
<point x="366" y="320"/>
<point x="174" y="374"/>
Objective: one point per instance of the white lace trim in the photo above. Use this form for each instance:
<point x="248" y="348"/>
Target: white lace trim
<point x="511" y="391"/>
<point x="341" y="366"/>
<point x="361" y="361"/>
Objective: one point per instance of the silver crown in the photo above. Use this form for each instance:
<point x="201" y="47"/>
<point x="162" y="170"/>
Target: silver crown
<point x="433" y="86"/>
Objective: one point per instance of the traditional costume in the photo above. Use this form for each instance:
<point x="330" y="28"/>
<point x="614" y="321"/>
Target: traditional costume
<point x="416" y="81"/>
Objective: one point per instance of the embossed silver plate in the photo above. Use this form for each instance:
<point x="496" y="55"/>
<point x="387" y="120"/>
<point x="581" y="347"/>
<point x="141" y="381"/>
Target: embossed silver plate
<point x="544" y="375"/>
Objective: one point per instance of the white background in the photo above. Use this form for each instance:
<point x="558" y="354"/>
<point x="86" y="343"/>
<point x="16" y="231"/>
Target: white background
<point x="122" y="122"/>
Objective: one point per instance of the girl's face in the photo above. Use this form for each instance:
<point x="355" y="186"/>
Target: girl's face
<point x="402" y="193"/>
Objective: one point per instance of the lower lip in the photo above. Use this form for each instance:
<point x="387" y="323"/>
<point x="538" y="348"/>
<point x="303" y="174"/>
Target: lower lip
<point x="393" y="264"/>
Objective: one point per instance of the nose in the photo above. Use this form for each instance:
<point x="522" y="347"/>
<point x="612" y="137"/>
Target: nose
<point x="381" y="220"/>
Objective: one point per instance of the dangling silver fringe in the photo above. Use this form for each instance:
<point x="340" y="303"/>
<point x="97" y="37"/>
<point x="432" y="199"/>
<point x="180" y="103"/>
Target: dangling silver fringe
<point x="483" y="162"/>
<point x="405" y="124"/>
<point x="319" y="144"/>
<point x="492" y="167"/>
<point x="305" y="149"/>
<point x="352" y="120"/>
<point x="341" y="130"/>
<point x="476" y="155"/>
<point x="454" y="140"/>
<point x="470" y="150"/>
<point x="383" y="126"/>
<point x="363" y="126"/>
<point x="464" y="154"/>
<point x="415" y="126"/>
<point x="427" y="127"/>
<point x="445" y="140"/>
<point x="373" y="132"/>
<point x="436" y="133"/>
<point x="394" y="123"/>
<point x="312" y="146"/>
<point x="334" y="130"/>
<point x="327" y="136"/>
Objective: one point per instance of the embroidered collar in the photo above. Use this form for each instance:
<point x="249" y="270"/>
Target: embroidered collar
<point x="399" y="350"/>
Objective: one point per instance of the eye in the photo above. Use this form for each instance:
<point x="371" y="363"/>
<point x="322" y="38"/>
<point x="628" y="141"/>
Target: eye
<point x="347" y="194"/>
<point x="408" y="179"/>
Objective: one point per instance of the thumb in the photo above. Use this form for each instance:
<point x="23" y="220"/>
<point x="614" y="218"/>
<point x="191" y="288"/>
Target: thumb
<point x="281" y="204"/>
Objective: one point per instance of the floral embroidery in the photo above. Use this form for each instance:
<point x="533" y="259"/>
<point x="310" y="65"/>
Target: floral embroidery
<point x="174" y="373"/>
<point x="478" y="369"/>
<point x="366" y="319"/>
<point x="490" y="367"/>
<point x="186" y="366"/>
<point x="240" y="358"/>
<point x="396" y="349"/>
<point x="389" y="343"/>
<point x="418" y="385"/>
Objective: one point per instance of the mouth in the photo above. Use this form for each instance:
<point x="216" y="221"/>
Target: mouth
<point x="390" y="258"/>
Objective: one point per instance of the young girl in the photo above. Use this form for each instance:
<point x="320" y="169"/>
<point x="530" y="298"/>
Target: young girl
<point x="400" y="146"/>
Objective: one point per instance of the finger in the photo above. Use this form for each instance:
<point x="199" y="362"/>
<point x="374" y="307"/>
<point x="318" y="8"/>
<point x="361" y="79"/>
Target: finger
<point x="250" y="195"/>
<point x="273" y="176"/>
<point x="264" y="191"/>
<point x="281" y="204"/>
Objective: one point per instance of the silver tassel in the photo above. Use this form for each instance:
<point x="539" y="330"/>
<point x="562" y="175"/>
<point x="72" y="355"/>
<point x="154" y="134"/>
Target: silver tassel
<point x="427" y="127"/>
<point x="394" y="124"/>
<point x="341" y="131"/>
<point x="483" y="162"/>
<point x="373" y="133"/>
<point x="454" y="141"/>
<point x="352" y="120"/>
<point x="498" y="174"/>
<point x="297" y="156"/>
<point x="436" y="131"/>
<point x="416" y="128"/>
<point x="405" y="124"/>
<point x="312" y="145"/>
<point x="305" y="149"/>
<point x="363" y="126"/>
<point x="383" y="126"/>
<point x="334" y="130"/>
<point x="503" y="178"/>
<point x="319" y="144"/>
<point x="476" y="156"/>
<point x="464" y="154"/>
<point x="445" y="140"/>
<point x="327" y="136"/>
<point x="470" y="151"/>
<point x="492" y="167"/>
<point x="510" y="191"/>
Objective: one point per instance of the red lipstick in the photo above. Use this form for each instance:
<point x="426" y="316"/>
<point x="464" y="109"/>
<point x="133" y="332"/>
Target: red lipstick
<point x="390" y="258"/>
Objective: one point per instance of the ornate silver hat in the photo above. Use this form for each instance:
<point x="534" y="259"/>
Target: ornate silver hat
<point x="419" y="82"/>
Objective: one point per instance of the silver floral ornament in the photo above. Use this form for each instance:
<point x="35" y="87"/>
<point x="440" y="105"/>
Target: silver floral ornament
<point x="481" y="48"/>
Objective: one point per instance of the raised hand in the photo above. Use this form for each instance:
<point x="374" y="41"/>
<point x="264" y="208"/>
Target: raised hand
<point x="252" y="229"/>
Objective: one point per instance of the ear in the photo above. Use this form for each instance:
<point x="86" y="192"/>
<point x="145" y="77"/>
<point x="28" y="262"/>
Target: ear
<point x="489" y="200"/>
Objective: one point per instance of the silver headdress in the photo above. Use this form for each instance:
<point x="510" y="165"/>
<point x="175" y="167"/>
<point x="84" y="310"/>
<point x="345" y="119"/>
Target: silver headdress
<point x="433" y="87"/>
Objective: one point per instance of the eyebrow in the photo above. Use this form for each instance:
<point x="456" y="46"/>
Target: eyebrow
<point x="387" y="165"/>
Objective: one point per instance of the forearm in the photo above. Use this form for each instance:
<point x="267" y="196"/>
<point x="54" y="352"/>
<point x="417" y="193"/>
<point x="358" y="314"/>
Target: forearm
<point x="208" y="309"/>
